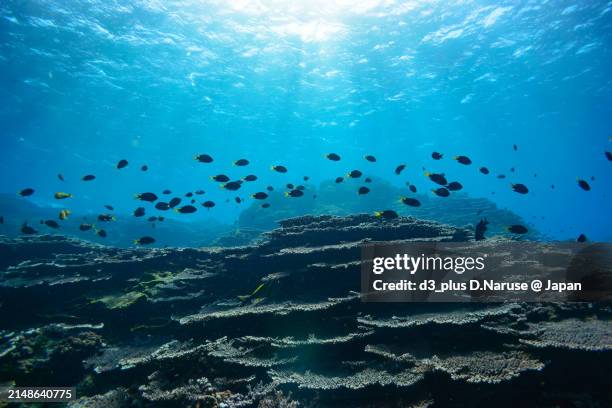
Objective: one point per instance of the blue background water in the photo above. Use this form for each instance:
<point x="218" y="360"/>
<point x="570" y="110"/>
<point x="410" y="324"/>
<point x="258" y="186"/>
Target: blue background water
<point x="84" y="84"/>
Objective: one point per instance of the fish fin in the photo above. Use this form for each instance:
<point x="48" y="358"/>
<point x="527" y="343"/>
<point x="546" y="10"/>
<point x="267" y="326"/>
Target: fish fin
<point x="136" y="241"/>
<point x="377" y="214"/>
<point x="286" y="194"/>
<point x="258" y="289"/>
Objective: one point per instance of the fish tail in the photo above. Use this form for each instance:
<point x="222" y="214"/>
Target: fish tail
<point x="377" y="214"/>
<point x="136" y="241"/>
<point x="286" y="194"/>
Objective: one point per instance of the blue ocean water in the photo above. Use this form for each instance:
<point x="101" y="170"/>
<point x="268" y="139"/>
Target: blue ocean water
<point x="85" y="84"/>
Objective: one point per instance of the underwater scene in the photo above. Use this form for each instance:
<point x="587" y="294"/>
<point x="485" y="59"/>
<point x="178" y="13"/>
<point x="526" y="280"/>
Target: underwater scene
<point x="188" y="186"/>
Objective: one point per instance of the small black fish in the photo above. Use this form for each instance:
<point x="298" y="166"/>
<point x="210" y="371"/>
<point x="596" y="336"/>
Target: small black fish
<point x="584" y="185"/>
<point x="106" y="217"/>
<point x="260" y="196"/>
<point x="152" y="219"/>
<point x="174" y="202"/>
<point x="238" y="200"/>
<point x="512" y="169"/>
<point x="367" y="180"/>
<point x="51" y="224"/>
<point x="122" y="163"/>
<point x="241" y="162"/>
<point x="437" y="156"/>
<point x="139" y="212"/>
<point x="150" y="197"/>
<point x="232" y="185"/>
<point x="221" y="178"/>
<point x="484" y="170"/>
<point x="305" y="178"/>
<point x="301" y="188"/>
<point x="162" y="206"/>
<point x="144" y="167"/>
<point x="289" y="186"/>
<point x="592" y="178"/>
<point x="437" y="178"/>
<point x="333" y="157"/>
<point x="552" y="186"/>
<point x="200" y="192"/>
<point x="203" y="158"/>
<point x="413" y="202"/>
<point x="85" y="227"/>
<point x="101" y="233"/>
<point x="412" y="188"/>
<point x="515" y="147"/>
<point x="441" y="192"/>
<point x="480" y="230"/>
<point x="454" y="186"/>
<point x="265" y="205"/>
<point x="208" y="204"/>
<point x="354" y="174"/>
<point x="581" y="238"/>
<point x="1" y="219"/>
<point x="279" y="169"/>
<point x="386" y="214"/>
<point x="26" y="192"/>
<point x="166" y="192"/>
<point x="463" y="160"/>
<point x="294" y="193"/>
<point x="339" y="179"/>
<point x="109" y="207"/>
<point x="189" y="194"/>
<point x="501" y="176"/>
<point x="520" y="188"/>
<point x="192" y="201"/>
<point x="144" y="241"/>
<point x="59" y="176"/>
<point x="517" y="229"/>
<point x="399" y="169"/>
<point x="370" y="158"/>
<point x="27" y="230"/>
<point x="250" y="177"/>
<point x="160" y="219"/>
<point x="363" y="190"/>
<point x="609" y="156"/>
<point x="187" y="209"/>
<point x="270" y="188"/>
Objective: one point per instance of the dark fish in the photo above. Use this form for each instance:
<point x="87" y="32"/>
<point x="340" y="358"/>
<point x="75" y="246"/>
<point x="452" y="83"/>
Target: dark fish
<point x="174" y="202"/>
<point x="592" y="178"/>
<point x="314" y="196"/>
<point x="203" y="158"/>
<point x="109" y="207"/>
<point x="454" y="186"/>
<point x="581" y="238"/>
<point x="437" y="178"/>
<point x="265" y="205"/>
<point x="370" y="158"/>
<point x="412" y="188"/>
<point x="463" y="159"/>
<point x="294" y="193"/>
<point x="51" y="224"/>
<point x="301" y="188"/>
<point x="1" y="219"/>
<point x="413" y="202"/>
<point x="386" y="214"/>
<point x="144" y="241"/>
<point x="512" y="169"/>
<point x="144" y="167"/>
<point x="166" y="192"/>
<point x="200" y="192"/>
<point x="59" y="176"/>
<point x="221" y="178"/>
<point x="106" y="217"/>
<point x="279" y="169"/>
<point x="399" y="169"/>
<point x="250" y="177"/>
<point x="367" y="180"/>
<point x="584" y="185"/>
<point x="27" y="230"/>
<point x="241" y="162"/>
<point x="515" y="147"/>
<point x="189" y="194"/>
<point x="85" y="227"/>
<point x="208" y="204"/>
<point x="162" y="206"/>
<point x="363" y="190"/>
<point x="101" y="233"/>
<point x="260" y="196"/>
<point x="160" y="219"/>
<point x="150" y="197"/>
<point x="187" y="209"/>
<point x="339" y="179"/>
<point x="480" y="230"/>
<point x="501" y="176"/>
<point x="270" y="188"/>
<point x="238" y="200"/>
<point x="484" y="170"/>
<point x="139" y="212"/>
<point x="609" y="156"/>
<point x="289" y="186"/>
<point x="152" y="219"/>
<point x="232" y="185"/>
<point x="122" y="163"/>
<point x="437" y="156"/>
<point x="305" y="178"/>
<point x="354" y="174"/>
<point x="520" y="188"/>
<point x="517" y="229"/>
<point x="26" y="192"/>
<point x="552" y="186"/>
<point x="441" y="192"/>
<point x="333" y="157"/>
<point x="192" y="201"/>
